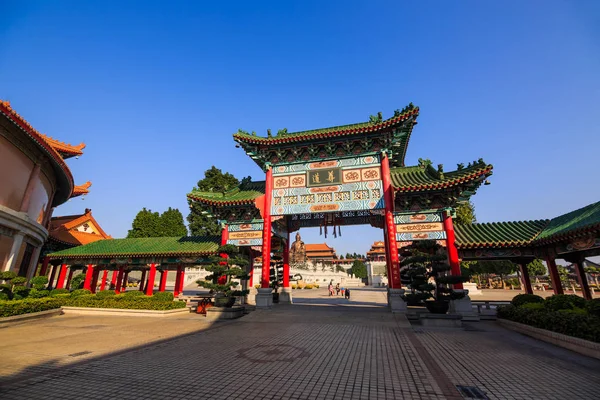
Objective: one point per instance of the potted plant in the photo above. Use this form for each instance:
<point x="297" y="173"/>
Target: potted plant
<point x="428" y="276"/>
<point x="224" y="268"/>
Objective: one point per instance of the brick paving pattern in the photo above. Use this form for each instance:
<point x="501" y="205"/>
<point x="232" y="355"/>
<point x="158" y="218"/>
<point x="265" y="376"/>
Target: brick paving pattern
<point x="319" y="348"/>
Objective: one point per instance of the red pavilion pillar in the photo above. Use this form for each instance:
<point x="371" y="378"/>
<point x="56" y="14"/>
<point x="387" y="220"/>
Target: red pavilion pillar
<point x="177" y="281"/>
<point x="119" y="280"/>
<point x="44" y="268"/>
<point x="61" y="276"/>
<point x="554" y="276"/>
<point x="182" y="279"/>
<point x="89" y="273"/>
<point x="125" y="280"/>
<point x="104" y="278"/>
<point x="224" y="237"/>
<point x="526" y="279"/>
<point x="142" y="280"/>
<point x="151" y="276"/>
<point x="451" y="247"/>
<point x="266" y="245"/>
<point x="251" y="273"/>
<point x="286" y="262"/>
<point x="95" y="279"/>
<point x="581" y="276"/>
<point x="52" y="275"/>
<point x="163" y="280"/>
<point x="113" y="279"/>
<point x="392" y="245"/>
<point x="387" y="256"/>
<point x="69" y="277"/>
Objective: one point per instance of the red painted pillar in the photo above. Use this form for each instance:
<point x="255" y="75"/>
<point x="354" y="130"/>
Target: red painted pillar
<point x="142" y="280"/>
<point x="387" y="256"/>
<point x="51" y="279"/>
<point x="224" y="236"/>
<point x="151" y="276"/>
<point x="451" y="247"/>
<point x="44" y="268"/>
<point x="89" y="274"/>
<point x="95" y="279"/>
<point x="163" y="280"/>
<point x="286" y="262"/>
<point x="526" y="280"/>
<point x="177" y="281"/>
<point x="113" y="280"/>
<point x="182" y="279"/>
<point x="554" y="277"/>
<point x="582" y="277"/>
<point x="251" y="273"/>
<point x="69" y="277"/>
<point x="125" y="280"/>
<point x="266" y="246"/>
<point x="388" y="196"/>
<point x="119" y="280"/>
<point x="61" y="276"/>
<point x="104" y="278"/>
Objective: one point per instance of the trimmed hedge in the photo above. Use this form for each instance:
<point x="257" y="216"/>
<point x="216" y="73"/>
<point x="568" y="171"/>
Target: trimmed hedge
<point x="105" y="293"/>
<point x="134" y="293"/>
<point x="124" y="302"/>
<point x="80" y="292"/>
<point x="27" y="306"/>
<point x="572" y="323"/>
<point x="564" y="302"/>
<point x="593" y="307"/>
<point x="163" y="296"/>
<point x="55" y="292"/>
<point x="521" y="299"/>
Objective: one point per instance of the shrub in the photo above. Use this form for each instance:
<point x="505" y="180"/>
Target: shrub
<point x="18" y="307"/>
<point x="521" y="299"/>
<point x="80" y="292"/>
<point x="576" y="310"/>
<point x="20" y="292"/>
<point x="38" y="293"/>
<point x="7" y="275"/>
<point x="105" y="293"/>
<point x="123" y="302"/>
<point x="593" y="307"/>
<point x="533" y="306"/>
<point x="5" y="296"/>
<point x="39" y="282"/>
<point x="55" y="292"/>
<point x="77" y="282"/>
<point x="309" y="286"/>
<point x="61" y="295"/>
<point x="564" y="302"/>
<point x="163" y="296"/>
<point x="18" y="281"/>
<point x="134" y="293"/>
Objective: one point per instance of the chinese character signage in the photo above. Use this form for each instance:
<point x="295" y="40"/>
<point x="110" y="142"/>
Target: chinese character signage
<point x="419" y="226"/>
<point x="245" y="234"/>
<point x="349" y="184"/>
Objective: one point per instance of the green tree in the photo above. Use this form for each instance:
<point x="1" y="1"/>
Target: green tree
<point x="145" y="224"/>
<point x="359" y="269"/>
<point x="536" y="268"/>
<point x="465" y="213"/>
<point x="214" y="181"/>
<point x="172" y="224"/>
<point x="499" y="267"/>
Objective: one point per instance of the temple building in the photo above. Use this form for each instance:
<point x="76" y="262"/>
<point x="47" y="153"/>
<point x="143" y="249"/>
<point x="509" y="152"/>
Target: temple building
<point x="377" y="252"/>
<point x="320" y="252"/>
<point x="73" y="230"/>
<point x="34" y="179"/>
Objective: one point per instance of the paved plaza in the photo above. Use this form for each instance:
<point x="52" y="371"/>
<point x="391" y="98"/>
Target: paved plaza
<point x="318" y="348"/>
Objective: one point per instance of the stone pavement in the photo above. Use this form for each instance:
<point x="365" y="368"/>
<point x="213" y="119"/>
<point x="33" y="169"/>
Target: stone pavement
<point x="319" y="348"/>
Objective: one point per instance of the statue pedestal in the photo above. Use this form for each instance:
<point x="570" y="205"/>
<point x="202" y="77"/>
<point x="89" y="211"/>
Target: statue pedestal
<point x="264" y="298"/>
<point x="395" y="301"/>
<point x="285" y="296"/>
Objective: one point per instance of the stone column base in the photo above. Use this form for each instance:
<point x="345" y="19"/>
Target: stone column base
<point x="395" y="301"/>
<point x="285" y="296"/>
<point x="463" y="307"/>
<point x="264" y="298"/>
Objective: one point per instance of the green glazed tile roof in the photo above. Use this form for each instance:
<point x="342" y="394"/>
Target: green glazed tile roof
<point x="156" y="246"/>
<point x="497" y="234"/>
<point x="572" y="224"/>
<point x="244" y="194"/>
<point x="419" y="178"/>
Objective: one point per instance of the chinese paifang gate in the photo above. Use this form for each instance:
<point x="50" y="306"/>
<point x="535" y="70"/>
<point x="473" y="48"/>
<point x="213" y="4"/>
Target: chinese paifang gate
<point x="347" y="175"/>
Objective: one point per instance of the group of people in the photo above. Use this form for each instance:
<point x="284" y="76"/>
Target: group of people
<point x="333" y="291"/>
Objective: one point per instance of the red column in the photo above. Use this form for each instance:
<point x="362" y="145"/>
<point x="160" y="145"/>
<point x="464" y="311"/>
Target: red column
<point x="44" y="268"/>
<point x="163" y="280"/>
<point x="451" y="247"/>
<point x="51" y="279"/>
<point x="177" y="281"/>
<point x="251" y="273"/>
<point x="266" y="246"/>
<point x="554" y="277"/>
<point x="526" y="280"/>
<point x="224" y="236"/>
<point x="61" y="276"/>
<point x="142" y="280"/>
<point x="104" y="278"/>
<point x="95" y="279"/>
<point x="182" y="279"/>
<point x="286" y="262"/>
<point x="113" y="279"/>
<point x="581" y="276"/>
<point x="387" y="256"/>
<point x="89" y="274"/>
<point x="124" y="284"/>
<point x="119" y="280"/>
<point x="388" y="196"/>
<point x="151" y="276"/>
<point x="69" y="277"/>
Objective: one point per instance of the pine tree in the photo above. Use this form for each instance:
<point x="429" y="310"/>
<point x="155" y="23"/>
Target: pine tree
<point x="359" y="269"/>
<point x="223" y="269"/>
<point x="145" y="224"/>
<point x="172" y="223"/>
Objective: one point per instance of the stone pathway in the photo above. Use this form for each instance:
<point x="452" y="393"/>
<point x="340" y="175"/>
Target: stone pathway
<point x="319" y="348"/>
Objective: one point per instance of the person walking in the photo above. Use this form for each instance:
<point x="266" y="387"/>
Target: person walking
<point x="330" y="289"/>
<point x="347" y="294"/>
<point x="337" y="289"/>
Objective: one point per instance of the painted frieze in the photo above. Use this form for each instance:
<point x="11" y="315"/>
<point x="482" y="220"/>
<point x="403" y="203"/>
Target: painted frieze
<point x="348" y="184"/>
<point x="245" y="233"/>
<point x="419" y="226"/>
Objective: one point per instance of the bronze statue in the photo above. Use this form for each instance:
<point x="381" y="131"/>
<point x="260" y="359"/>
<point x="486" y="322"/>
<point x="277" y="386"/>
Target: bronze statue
<point x="298" y="251"/>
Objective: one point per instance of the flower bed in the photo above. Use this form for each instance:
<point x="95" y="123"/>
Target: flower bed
<point x="566" y="314"/>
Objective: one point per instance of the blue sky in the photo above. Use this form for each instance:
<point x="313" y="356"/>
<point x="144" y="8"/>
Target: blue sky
<point x="156" y="89"/>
